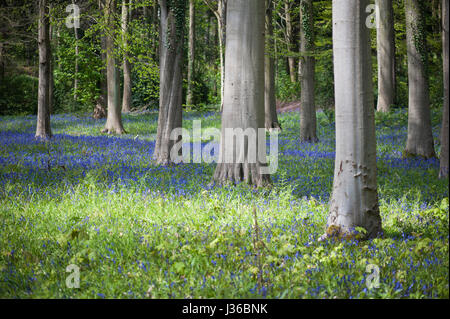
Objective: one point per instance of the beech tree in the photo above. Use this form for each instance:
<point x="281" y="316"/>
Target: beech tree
<point x="191" y="53"/>
<point x="386" y="55"/>
<point x="126" y="100"/>
<point x="270" y="102"/>
<point x="443" y="171"/>
<point x="219" y="8"/>
<point x="43" y="129"/>
<point x="420" y="137"/>
<point x="171" y="81"/>
<point x="288" y="5"/>
<point x="354" y="199"/>
<point x="243" y="96"/>
<point x="114" y="116"/>
<point x="307" y="71"/>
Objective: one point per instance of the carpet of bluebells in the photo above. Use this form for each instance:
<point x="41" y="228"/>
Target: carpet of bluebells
<point x="137" y="230"/>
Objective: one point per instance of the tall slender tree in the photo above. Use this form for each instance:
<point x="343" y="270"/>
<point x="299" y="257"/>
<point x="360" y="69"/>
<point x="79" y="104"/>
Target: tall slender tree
<point x="420" y="137"/>
<point x="244" y="96"/>
<point x="114" y="116"/>
<point x="126" y="15"/>
<point x="270" y="102"/>
<point x="386" y="55"/>
<point x="43" y="129"/>
<point x="354" y="200"/>
<point x="308" y="120"/>
<point x="191" y="54"/>
<point x="77" y="53"/>
<point x="220" y="11"/>
<point x="288" y="5"/>
<point x="171" y="81"/>
<point x="443" y="171"/>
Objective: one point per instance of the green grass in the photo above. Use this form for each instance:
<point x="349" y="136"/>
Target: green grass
<point x="141" y="231"/>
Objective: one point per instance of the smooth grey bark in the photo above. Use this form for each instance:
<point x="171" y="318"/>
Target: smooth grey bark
<point x="270" y="102"/>
<point x="170" y="94"/>
<point x="243" y="96"/>
<point x="191" y="53"/>
<point x="386" y="55"/>
<point x="114" y="115"/>
<point x="126" y="100"/>
<point x="354" y="199"/>
<point x="43" y="129"/>
<point x="308" y="122"/>
<point x="420" y="137"/>
<point x="443" y="170"/>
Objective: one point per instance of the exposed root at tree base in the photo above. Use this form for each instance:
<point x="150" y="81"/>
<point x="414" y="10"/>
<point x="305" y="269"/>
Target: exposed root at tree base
<point x="241" y="172"/>
<point x="112" y="131"/>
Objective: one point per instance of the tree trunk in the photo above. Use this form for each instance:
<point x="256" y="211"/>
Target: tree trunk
<point x="126" y="101"/>
<point x="2" y="62"/>
<point x="271" y="118"/>
<point x="222" y="23"/>
<point x="443" y="171"/>
<point x="354" y="200"/>
<point x="43" y="129"/>
<point x="51" y="80"/>
<point x="170" y="94"/>
<point x="420" y="137"/>
<point x="289" y="40"/>
<point x="191" y="57"/>
<point x="244" y="94"/>
<point x="307" y="73"/>
<point x="386" y="56"/>
<point x="75" y="80"/>
<point x="114" y="116"/>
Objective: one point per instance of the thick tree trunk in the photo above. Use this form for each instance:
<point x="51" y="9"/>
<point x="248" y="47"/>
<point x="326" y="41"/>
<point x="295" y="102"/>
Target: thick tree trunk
<point x="244" y="96"/>
<point x="191" y="57"/>
<point x="289" y="40"/>
<point x="443" y="171"/>
<point x="43" y="129"/>
<point x="420" y="137"/>
<point x="307" y="72"/>
<point x="386" y="56"/>
<point x="126" y="101"/>
<point x="114" y="116"/>
<point x="354" y="201"/>
<point x="271" y="118"/>
<point x="170" y="94"/>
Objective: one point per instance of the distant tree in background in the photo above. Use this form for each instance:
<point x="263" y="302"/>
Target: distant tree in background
<point x="191" y="54"/>
<point x="386" y="55"/>
<point x="126" y="16"/>
<point x="443" y="171"/>
<point x="308" y="122"/>
<point x="43" y="129"/>
<point x="270" y="100"/>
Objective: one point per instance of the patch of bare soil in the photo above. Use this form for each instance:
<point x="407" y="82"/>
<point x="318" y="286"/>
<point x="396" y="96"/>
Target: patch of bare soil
<point x="292" y="106"/>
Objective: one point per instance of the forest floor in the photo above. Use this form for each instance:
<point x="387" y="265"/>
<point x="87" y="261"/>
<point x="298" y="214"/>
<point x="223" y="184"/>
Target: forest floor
<point x="137" y="230"/>
<point x="283" y="107"/>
